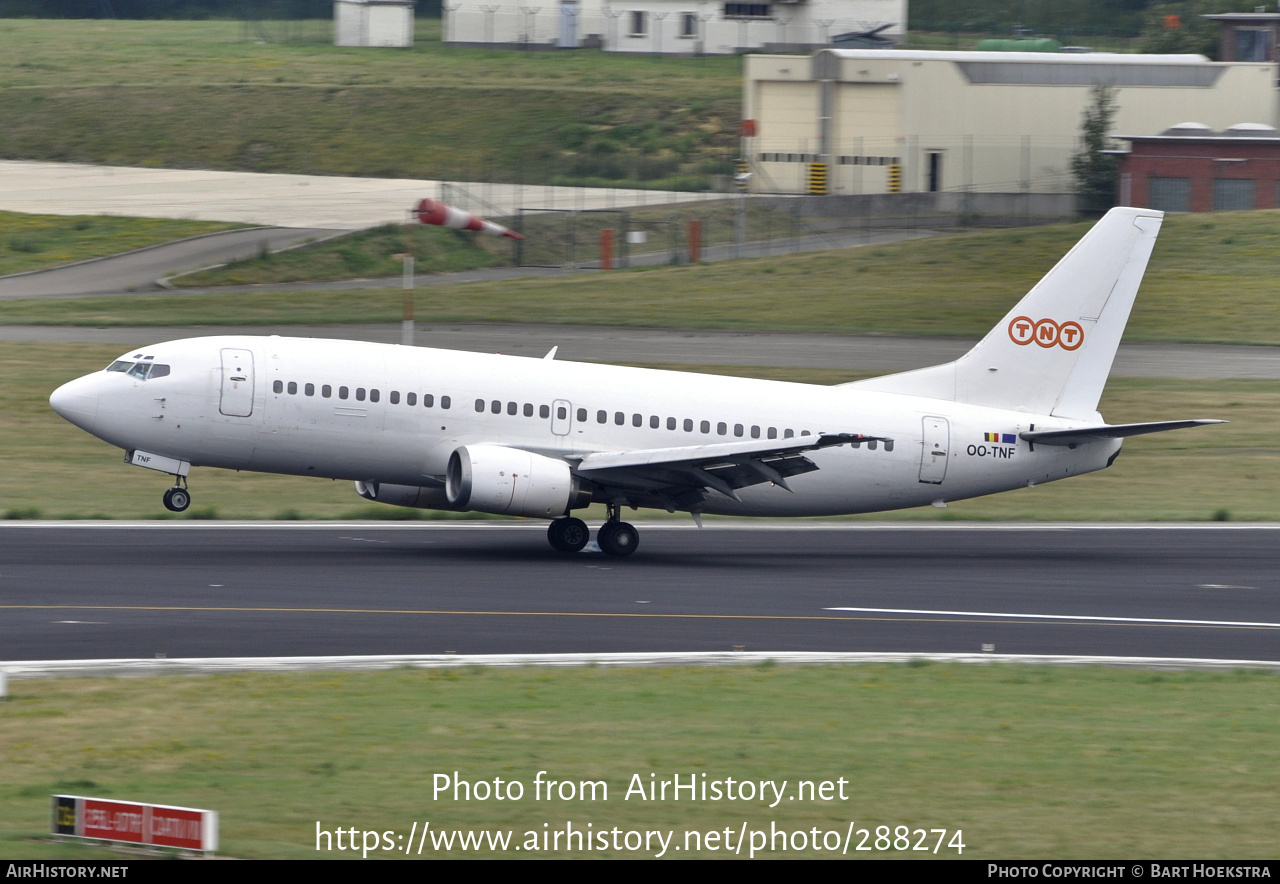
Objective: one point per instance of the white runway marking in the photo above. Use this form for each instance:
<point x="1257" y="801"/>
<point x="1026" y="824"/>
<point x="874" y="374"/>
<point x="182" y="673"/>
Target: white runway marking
<point x="1079" y="618"/>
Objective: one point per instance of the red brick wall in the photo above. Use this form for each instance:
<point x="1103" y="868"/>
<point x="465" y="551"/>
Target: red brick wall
<point x="1202" y="162"/>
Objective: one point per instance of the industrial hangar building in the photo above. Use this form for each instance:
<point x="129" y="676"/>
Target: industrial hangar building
<point x="669" y="27"/>
<point x="881" y="121"/>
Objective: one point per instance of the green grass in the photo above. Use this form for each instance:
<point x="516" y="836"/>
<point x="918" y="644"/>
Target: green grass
<point x="1187" y="475"/>
<point x="31" y="242"/>
<point x="370" y="253"/>
<point x="1028" y="762"/>
<point x="1211" y="280"/>
<point x="198" y="94"/>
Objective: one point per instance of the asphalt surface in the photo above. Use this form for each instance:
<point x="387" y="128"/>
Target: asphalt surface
<point x="142" y="269"/>
<point x="90" y="591"/>
<point x="282" y="200"/>
<point x="854" y="353"/>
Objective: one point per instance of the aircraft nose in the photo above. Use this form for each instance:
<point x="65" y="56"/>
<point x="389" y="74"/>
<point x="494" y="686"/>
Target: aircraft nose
<point x="77" y="402"/>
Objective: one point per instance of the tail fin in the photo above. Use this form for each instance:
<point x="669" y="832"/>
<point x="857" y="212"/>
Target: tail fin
<point x="1051" y="354"/>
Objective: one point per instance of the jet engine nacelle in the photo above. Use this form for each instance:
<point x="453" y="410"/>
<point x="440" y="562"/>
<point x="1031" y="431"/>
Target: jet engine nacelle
<point x="508" y="481"/>
<point x="404" y="495"/>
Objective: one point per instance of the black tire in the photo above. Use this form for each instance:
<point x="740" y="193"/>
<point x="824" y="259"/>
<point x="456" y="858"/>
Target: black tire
<point x="574" y="534"/>
<point x="618" y="538"/>
<point x="177" y="499"/>
<point x="568" y="535"/>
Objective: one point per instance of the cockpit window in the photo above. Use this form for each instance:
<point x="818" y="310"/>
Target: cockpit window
<point x="140" y="370"/>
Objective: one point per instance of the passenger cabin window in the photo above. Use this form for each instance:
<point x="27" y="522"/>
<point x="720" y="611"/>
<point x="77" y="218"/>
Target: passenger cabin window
<point x="444" y="402"/>
<point x="293" y="388"/>
<point x="326" y="391"/>
<point x="619" y="418"/>
<point x="688" y="425"/>
<point x="705" y="426"/>
<point x="773" y="433"/>
<point x="582" y="415"/>
<point x="512" y="408"/>
<point x="342" y="392"/>
<point x="602" y="417"/>
<point x="671" y="423"/>
<point x="360" y="392"/>
<point x="373" y="395"/>
<point x="277" y="387"/>
<point x="410" y="398"/>
<point x="637" y="420"/>
<point x="428" y="400"/>
<point x="653" y="421"/>
<point x="528" y="409"/>
<point x="722" y="428"/>
<point x="395" y="397"/>
<point x="495" y="406"/>
<point x="309" y="389"/>
<point x="479" y="405"/>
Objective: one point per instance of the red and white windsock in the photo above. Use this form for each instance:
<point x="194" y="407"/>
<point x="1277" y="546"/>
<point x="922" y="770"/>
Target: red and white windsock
<point x="432" y="212"/>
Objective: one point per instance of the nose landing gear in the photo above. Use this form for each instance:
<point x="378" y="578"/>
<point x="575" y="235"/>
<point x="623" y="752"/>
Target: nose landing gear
<point x="177" y="498"/>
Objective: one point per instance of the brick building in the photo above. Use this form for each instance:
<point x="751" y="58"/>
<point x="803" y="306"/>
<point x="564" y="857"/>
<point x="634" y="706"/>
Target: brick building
<point x="1191" y="168"/>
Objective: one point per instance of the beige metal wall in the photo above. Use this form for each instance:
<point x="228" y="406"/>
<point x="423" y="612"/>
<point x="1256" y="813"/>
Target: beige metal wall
<point x="998" y="137"/>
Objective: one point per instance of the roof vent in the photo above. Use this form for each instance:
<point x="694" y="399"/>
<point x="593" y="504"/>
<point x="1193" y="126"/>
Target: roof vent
<point x="1194" y="129"/>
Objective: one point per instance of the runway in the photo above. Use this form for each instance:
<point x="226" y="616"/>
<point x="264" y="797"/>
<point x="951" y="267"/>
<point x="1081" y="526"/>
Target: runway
<point x="111" y="590"/>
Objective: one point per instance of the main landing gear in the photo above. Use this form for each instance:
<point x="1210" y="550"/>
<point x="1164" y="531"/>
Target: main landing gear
<point x="616" y="537"/>
<point x="177" y="498"/>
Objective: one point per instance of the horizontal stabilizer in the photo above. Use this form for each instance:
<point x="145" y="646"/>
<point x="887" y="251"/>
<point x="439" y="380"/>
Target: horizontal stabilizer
<point x="1081" y="435"/>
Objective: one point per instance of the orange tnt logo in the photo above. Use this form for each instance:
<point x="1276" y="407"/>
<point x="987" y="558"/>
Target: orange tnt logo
<point x="1046" y="333"/>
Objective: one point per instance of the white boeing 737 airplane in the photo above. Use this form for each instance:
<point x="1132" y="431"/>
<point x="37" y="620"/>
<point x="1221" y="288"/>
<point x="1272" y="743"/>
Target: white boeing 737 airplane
<point x="452" y="430"/>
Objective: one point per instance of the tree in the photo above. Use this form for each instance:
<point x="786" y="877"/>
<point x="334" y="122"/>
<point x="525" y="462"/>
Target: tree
<point x="1095" y="171"/>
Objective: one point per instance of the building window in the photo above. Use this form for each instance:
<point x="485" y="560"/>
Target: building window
<point x="639" y="23"/>
<point x="688" y="25"/>
<point x="1169" y="194"/>
<point x="747" y="10"/>
<point x="1233" y="194"/>
<point x="1251" y="44"/>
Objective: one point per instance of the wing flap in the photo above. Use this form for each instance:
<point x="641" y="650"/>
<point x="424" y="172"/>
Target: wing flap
<point x="683" y="475"/>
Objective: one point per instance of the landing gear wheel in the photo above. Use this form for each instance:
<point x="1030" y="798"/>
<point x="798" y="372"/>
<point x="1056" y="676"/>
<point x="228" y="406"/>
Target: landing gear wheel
<point x="177" y="499"/>
<point x="618" y="538"/>
<point x="568" y="535"/>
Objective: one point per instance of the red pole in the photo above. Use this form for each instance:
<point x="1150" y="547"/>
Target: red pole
<point x="695" y="241"/>
<point x="606" y="249"/>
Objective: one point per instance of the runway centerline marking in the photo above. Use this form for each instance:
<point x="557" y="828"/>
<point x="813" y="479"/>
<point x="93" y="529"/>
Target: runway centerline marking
<point x="1081" y="618"/>
<point x="886" y="615"/>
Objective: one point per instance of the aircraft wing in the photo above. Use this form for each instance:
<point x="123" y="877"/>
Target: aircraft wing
<point x="1081" y="435"/>
<point x="680" y="477"/>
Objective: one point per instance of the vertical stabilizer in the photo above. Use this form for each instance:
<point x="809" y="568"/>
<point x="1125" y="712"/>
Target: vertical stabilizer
<point x="1051" y="354"/>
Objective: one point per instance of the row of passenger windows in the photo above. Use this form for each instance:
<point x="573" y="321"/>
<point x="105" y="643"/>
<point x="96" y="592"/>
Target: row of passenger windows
<point x="496" y="406"/>
<point x="326" y="392"/>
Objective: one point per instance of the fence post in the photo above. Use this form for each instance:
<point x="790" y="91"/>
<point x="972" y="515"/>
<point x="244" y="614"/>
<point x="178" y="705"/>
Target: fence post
<point x="606" y="249"/>
<point x="695" y="241"/>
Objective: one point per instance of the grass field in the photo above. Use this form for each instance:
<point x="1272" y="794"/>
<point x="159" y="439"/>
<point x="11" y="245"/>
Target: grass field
<point x="31" y="242"/>
<point x="1214" y="472"/>
<point x="203" y="95"/>
<point x="370" y="253"/>
<point x="1211" y="279"/>
<point x="1026" y="762"/>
